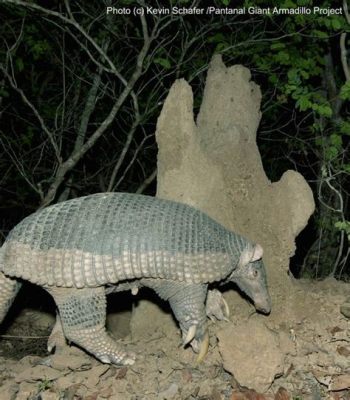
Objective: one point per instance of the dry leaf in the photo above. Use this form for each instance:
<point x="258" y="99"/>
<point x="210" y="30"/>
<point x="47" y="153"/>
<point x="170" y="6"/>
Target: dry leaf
<point x="215" y="395"/>
<point x="38" y="373"/>
<point x="91" y="397"/>
<point x="106" y="393"/>
<point x="340" y="395"/>
<point x="121" y="373"/>
<point x="186" y="375"/>
<point x="335" y="329"/>
<point x="282" y="394"/>
<point x="340" y="382"/>
<point x="238" y="396"/>
<point x="343" y="351"/>
<point x="60" y="362"/>
<point x="248" y="394"/>
<point x="322" y="377"/>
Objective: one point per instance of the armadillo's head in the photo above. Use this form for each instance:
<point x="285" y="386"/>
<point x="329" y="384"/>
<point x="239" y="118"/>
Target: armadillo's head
<point x="250" y="276"/>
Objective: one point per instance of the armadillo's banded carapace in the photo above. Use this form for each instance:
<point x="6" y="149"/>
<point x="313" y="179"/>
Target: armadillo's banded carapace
<point x="108" y="237"/>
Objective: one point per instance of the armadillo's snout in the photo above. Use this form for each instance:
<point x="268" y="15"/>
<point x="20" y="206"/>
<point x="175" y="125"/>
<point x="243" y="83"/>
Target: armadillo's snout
<point x="263" y="306"/>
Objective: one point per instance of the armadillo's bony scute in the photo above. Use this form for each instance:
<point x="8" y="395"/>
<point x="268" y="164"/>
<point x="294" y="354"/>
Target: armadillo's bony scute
<point x="81" y="249"/>
<point x="106" y="238"/>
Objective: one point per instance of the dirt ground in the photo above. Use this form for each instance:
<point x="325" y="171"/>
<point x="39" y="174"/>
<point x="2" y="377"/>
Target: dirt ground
<point x="312" y="354"/>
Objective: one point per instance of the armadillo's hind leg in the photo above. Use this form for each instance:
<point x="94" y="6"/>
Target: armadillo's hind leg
<point x="8" y="289"/>
<point x="83" y="317"/>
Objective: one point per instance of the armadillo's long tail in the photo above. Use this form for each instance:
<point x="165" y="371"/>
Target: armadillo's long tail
<point x="8" y="290"/>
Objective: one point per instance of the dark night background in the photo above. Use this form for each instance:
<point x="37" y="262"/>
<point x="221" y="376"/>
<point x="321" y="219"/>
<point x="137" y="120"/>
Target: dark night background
<point x="80" y="93"/>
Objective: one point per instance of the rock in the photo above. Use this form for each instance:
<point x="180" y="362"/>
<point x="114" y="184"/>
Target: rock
<point x="169" y="393"/>
<point x="49" y="396"/>
<point x="61" y="362"/>
<point x="340" y="382"/>
<point x="252" y="353"/>
<point x="9" y="391"/>
<point x="345" y="309"/>
<point x="26" y="390"/>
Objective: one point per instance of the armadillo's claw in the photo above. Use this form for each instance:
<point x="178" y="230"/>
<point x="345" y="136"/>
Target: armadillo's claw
<point x="226" y="310"/>
<point x="203" y="349"/>
<point x="134" y="290"/>
<point x="191" y="333"/>
<point x="56" y="340"/>
<point x="216" y="306"/>
<point x="199" y="341"/>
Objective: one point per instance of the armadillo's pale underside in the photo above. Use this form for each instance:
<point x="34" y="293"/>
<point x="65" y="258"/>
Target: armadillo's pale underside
<point x="75" y="268"/>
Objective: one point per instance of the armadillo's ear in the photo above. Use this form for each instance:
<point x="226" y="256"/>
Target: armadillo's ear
<point x="257" y="253"/>
<point x="245" y="257"/>
<point x="250" y="254"/>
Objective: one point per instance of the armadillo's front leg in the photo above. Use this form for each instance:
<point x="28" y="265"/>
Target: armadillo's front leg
<point x="56" y="339"/>
<point x="216" y="306"/>
<point x="83" y="317"/>
<point x="188" y="304"/>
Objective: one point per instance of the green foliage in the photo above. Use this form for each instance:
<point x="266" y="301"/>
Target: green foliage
<point x="19" y="64"/>
<point x="343" y="226"/>
<point x="164" y="62"/>
<point x="345" y="91"/>
<point x="3" y="92"/>
<point x="43" y="385"/>
<point x="345" y="127"/>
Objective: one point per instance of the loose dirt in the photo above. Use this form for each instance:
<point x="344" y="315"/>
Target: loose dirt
<point x="311" y="354"/>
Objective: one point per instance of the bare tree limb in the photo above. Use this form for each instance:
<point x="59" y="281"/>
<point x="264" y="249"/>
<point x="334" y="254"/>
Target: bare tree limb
<point x="343" y="51"/>
<point x="66" y="166"/>
<point x="122" y="155"/>
<point x="74" y="23"/>
<point x="136" y="152"/>
<point x="147" y="182"/>
<point x="35" y="111"/>
<point x="344" y="60"/>
<point x="88" y="109"/>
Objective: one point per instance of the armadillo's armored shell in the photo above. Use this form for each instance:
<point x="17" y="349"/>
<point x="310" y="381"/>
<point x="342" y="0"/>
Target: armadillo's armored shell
<point x="109" y="237"/>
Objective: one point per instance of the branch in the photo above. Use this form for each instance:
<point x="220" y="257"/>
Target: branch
<point x="122" y="155"/>
<point x="136" y="152"/>
<point x="127" y="143"/>
<point x="74" y="23"/>
<point x="79" y="153"/>
<point x="88" y="109"/>
<point x="12" y="154"/>
<point x="346" y="11"/>
<point x="35" y="111"/>
<point x="147" y="182"/>
<point x="343" y="52"/>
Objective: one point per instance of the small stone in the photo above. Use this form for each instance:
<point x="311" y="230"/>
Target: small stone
<point x="345" y="310"/>
<point x="26" y="390"/>
<point x="252" y="354"/>
<point x="9" y="391"/>
<point x="169" y="393"/>
<point x="49" y="396"/>
<point x="106" y="393"/>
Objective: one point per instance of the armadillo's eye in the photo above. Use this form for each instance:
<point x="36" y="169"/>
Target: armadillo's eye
<point x="255" y="273"/>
